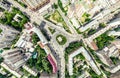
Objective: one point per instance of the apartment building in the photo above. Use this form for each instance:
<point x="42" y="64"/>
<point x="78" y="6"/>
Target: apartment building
<point x="14" y="59"/>
<point x="109" y="51"/>
<point x="36" y="4"/>
<point x="79" y="7"/>
<point x="5" y="4"/>
<point x="7" y="35"/>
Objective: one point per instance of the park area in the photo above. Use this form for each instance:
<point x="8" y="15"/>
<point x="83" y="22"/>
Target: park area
<point x="40" y="63"/>
<point x="8" y="19"/>
<point x="56" y="18"/>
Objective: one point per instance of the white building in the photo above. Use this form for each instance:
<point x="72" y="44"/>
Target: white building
<point x="7" y="35"/>
<point x="25" y="41"/>
<point x="114" y="33"/>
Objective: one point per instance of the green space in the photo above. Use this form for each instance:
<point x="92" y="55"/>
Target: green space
<point x="35" y="39"/>
<point x="51" y="30"/>
<point x="102" y="25"/>
<point x="6" y="48"/>
<point x="2" y="9"/>
<point x="93" y="74"/>
<point x="85" y="18"/>
<point x="77" y="71"/>
<point x="0" y="30"/>
<point x="103" y="40"/>
<point x="8" y="19"/>
<point x="115" y="60"/>
<point x="80" y="56"/>
<point x="40" y="63"/>
<point x="91" y="31"/>
<point x="1" y="50"/>
<point x="31" y="76"/>
<point x="21" y="3"/>
<point x="96" y="58"/>
<point x="72" y="47"/>
<point x="85" y="33"/>
<point x="26" y="73"/>
<point x="55" y="6"/>
<point x="105" y="71"/>
<point x="117" y="29"/>
<point x="77" y="67"/>
<point x="78" y="31"/>
<point x="66" y="72"/>
<point x="57" y="18"/>
<point x="15" y="40"/>
<point x="61" y="7"/>
<point x="63" y="39"/>
<point x="94" y="0"/>
<point x="1" y="60"/>
<point x="7" y="75"/>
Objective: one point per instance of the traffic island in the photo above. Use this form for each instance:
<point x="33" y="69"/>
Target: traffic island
<point x="61" y="39"/>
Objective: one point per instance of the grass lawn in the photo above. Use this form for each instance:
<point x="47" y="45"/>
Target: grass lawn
<point x="0" y="30"/>
<point x="51" y="30"/>
<point x="63" y="39"/>
<point x="57" y="18"/>
<point x="85" y="18"/>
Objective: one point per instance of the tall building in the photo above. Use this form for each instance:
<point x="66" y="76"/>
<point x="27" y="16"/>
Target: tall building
<point x="36" y="4"/>
<point x="7" y="35"/>
<point x="14" y="58"/>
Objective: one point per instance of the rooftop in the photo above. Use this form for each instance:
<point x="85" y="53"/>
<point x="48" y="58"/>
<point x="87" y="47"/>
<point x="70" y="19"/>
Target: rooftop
<point x="36" y="4"/>
<point x="51" y="60"/>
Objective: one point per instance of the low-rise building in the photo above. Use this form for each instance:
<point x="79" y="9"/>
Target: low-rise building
<point x="114" y="33"/>
<point x="25" y="41"/>
<point x="18" y="74"/>
<point x="33" y="72"/>
<point x="5" y="4"/>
